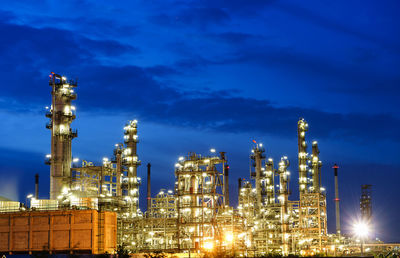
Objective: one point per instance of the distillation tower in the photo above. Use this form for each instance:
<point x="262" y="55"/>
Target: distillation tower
<point x="131" y="162"/>
<point x="112" y="185"/>
<point x="312" y="210"/>
<point x="61" y="115"/>
<point x="195" y="216"/>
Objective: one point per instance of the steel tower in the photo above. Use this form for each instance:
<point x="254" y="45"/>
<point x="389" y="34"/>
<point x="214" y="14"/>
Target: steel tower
<point x="61" y="115"/>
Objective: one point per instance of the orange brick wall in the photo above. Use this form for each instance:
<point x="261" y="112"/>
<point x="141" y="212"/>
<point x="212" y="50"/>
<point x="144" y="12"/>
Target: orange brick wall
<point x="57" y="231"/>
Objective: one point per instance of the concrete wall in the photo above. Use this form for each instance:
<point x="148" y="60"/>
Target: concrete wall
<point x="84" y="231"/>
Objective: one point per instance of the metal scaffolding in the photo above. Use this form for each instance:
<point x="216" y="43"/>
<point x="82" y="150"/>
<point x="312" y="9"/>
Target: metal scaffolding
<point x="61" y="114"/>
<point x="195" y="216"/>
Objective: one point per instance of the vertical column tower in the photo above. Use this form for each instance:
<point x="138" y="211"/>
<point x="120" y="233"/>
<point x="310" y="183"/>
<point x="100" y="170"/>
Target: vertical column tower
<point x="316" y="168"/>
<point x="118" y="151"/>
<point x="61" y="115"/>
<point x="258" y="157"/>
<point x="337" y="211"/>
<point x="312" y="206"/>
<point x="283" y="200"/>
<point x="269" y="182"/>
<point x="131" y="162"/>
<point x="302" y="128"/>
<point x="366" y="203"/>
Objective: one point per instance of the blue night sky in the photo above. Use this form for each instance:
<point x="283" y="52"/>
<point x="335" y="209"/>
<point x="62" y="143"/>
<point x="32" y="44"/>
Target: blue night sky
<point x="210" y="74"/>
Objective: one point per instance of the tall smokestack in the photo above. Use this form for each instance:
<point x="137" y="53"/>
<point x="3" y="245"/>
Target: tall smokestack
<point x="239" y="185"/>
<point x="226" y="185"/>
<point x="148" y="187"/>
<point x="335" y="167"/>
<point x="37" y="186"/>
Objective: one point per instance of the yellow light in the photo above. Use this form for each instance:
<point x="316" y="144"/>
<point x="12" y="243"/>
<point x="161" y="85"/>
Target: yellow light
<point x="229" y="237"/>
<point x="208" y="245"/>
<point x="361" y="229"/>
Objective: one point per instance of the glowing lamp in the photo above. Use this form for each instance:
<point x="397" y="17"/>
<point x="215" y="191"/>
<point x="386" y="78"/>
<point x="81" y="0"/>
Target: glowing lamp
<point x="229" y="237"/>
<point x="208" y="246"/>
<point x="361" y="229"/>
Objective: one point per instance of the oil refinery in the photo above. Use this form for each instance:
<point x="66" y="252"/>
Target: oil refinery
<point x="94" y="209"/>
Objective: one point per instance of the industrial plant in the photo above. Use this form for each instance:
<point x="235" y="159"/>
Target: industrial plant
<point x="94" y="209"/>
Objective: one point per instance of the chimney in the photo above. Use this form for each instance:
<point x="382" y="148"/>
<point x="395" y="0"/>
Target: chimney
<point x="148" y="187"/>
<point x="335" y="168"/>
<point x="37" y="186"/>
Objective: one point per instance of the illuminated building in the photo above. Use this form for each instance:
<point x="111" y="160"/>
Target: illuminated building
<point x="195" y="216"/>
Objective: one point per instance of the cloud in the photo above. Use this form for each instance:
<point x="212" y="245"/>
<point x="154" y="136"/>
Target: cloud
<point x="30" y="53"/>
<point x="27" y="53"/>
<point x="236" y="38"/>
<point x="323" y="21"/>
<point x="133" y="89"/>
<point x="201" y="17"/>
<point x="161" y="70"/>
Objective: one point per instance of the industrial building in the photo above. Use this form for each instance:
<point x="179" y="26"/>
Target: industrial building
<point x="93" y="208"/>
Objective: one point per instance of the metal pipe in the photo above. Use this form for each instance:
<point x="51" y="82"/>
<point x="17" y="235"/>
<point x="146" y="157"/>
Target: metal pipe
<point x="37" y="186"/>
<point x="148" y="187"/>
<point x="258" y="157"/>
<point x="283" y="200"/>
<point x="316" y="168"/>
<point x="335" y="168"/>
<point x="239" y="185"/>
<point x="118" y="160"/>
<point x="226" y="185"/>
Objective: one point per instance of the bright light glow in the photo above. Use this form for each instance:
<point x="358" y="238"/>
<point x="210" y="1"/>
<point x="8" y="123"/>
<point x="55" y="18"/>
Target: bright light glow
<point x="361" y="229"/>
<point x="75" y="160"/>
<point x="181" y="158"/>
<point x="29" y="196"/>
<point x="208" y="245"/>
<point x="212" y="150"/>
<point x="229" y="237"/>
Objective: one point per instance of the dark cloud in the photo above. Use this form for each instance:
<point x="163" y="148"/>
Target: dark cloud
<point x="200" y="17"/>
<point x="241" y="7"/>
<point x="132" y="89"/>
<point x="98" y="27"/>
<point x="135" y="89"/>
<point x="344" y="28"/>
<point x="161" y="70"/>
<point x="237" y="38"/>
<point x="29" y="53"/>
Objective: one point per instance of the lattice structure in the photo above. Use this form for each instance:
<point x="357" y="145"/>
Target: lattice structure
<point x="312" y="209"/>
<point x="199" y="195"/>
<point x="365" y="202"/>
<point x="195" y="216"/>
